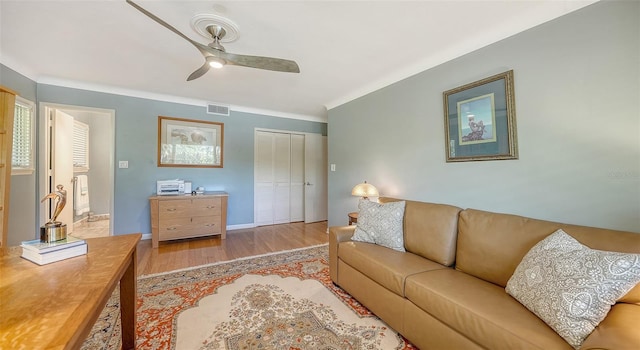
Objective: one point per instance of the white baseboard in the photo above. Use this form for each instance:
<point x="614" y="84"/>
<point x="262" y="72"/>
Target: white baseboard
<point x="240" y="227"/>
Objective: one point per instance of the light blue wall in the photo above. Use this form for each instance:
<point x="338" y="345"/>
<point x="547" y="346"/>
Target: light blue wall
<point x="22" y="210"/>
<point x="577" y="88"/>
<point x="136" y="142"/>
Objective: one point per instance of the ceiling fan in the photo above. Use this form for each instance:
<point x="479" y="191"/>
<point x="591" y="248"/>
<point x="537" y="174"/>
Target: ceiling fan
<point x="216" y="56"/>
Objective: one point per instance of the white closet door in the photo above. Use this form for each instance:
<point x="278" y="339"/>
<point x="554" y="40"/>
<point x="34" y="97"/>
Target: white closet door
<point x="282" y="176"/>
<point x="315" y="172"/>
<point x="290" y="178"/>
<point x="264" y="178"/>
<point x="297" y="178"/>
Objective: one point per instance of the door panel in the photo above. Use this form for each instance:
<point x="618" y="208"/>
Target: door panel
<point x="264" y="199"/>
<point x="263" y="157"/>
<point x="282" y="175"/>
<point x="315" y="170"/>
<point x="263" y="179"/>
<point x="62" y="162"/>
<point x="297" y="178"/>
<point x="281" y="213"/>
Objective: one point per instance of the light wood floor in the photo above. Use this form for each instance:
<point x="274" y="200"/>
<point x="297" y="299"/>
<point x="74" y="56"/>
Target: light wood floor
<point x="239" y="244"/>
<point x="91" y="229"/>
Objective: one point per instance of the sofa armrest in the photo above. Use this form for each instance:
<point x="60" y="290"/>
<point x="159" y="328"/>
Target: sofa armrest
<point x="619" y="330"/>
<point x="337" y="234"/>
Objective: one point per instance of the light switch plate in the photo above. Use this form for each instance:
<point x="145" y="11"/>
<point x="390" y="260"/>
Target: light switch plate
<point x="333" y="167"/>
<point x="123" y="164"/>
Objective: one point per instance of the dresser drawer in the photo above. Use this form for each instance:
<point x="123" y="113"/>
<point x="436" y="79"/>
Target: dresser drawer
<point x="174" y="208"/>
<point x="172" y="228"/>
<point x="205" y="225"/>
<point x="206" y="207"/>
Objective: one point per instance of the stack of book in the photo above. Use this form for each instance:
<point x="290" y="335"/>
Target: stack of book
<point x="43" y="253"/>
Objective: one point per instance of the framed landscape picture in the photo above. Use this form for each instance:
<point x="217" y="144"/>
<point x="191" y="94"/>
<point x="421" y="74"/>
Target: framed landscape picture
<point x="480" y="120"/>
<point x="190" y="143"/>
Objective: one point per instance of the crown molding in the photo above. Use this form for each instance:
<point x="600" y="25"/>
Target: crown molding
<point x="253" y="110"/>
<point x="16" y="66"/>
<point x="32" y="75"/>
<point x="510" y="28"/>
<point x="170" y="98"/>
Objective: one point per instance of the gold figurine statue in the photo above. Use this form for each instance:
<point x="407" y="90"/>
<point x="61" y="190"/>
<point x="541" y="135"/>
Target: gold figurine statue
<point x="60" y="197"/>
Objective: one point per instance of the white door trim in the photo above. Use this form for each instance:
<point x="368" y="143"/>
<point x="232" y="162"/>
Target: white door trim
<point x="43" y="160"/>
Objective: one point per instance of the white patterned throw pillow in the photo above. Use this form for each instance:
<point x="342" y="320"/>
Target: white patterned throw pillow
<point x="570" y="286"/>
<point x="381" y="224"/>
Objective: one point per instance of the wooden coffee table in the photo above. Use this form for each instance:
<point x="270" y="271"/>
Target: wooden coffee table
<point x="54" y="306"/>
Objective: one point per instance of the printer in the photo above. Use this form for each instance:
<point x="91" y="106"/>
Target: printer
<point x="170" y="187"/>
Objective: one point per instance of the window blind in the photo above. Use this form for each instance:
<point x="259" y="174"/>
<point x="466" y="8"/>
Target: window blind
<point x="80" y="146"/>
<point x="22" y="153"/>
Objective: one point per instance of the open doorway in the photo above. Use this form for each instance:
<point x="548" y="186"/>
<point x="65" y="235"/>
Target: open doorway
<point x="78" y="151"/>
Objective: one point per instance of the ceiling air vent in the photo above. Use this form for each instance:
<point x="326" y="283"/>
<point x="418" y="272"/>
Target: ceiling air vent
<point x="217" y="109"/>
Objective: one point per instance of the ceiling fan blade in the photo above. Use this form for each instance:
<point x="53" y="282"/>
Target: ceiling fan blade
<point x="268" y="63"/>
<point x="199" y="72"/>
<point x="168" y="26"/>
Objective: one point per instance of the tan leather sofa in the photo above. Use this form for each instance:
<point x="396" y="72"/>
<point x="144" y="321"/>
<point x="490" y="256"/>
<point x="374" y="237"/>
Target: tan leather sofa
<point x="448" y="290"/>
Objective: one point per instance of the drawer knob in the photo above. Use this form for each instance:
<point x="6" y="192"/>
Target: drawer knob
<point x="171" y="209"/>
<point x="171" y="228"/>
<point x="209" y="225"/>
<point x="210" y="206"/>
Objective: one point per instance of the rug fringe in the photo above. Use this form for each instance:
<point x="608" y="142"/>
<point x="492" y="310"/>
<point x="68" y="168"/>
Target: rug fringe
<point x="230" y="261"/>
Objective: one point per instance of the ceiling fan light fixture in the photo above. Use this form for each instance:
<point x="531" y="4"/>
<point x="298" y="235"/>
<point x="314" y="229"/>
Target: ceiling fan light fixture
<point x="214" y="53"/>
<point x="217" y="63"/>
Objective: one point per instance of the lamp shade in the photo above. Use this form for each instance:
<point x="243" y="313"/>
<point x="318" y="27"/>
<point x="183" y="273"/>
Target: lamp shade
<point x="364" y="190"/>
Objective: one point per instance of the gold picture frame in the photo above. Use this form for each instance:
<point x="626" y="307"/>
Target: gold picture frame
<point x="480" y="120"/>
<point x="190" y="143"/>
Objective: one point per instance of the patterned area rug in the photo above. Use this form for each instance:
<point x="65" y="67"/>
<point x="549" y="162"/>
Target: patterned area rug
<point x="279" y="301"/>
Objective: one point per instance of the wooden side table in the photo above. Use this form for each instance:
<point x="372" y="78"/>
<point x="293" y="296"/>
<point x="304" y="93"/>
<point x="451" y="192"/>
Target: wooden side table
<point x="353" y="218"/>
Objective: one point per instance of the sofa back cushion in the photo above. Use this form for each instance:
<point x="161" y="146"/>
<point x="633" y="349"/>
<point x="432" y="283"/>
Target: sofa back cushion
<point x="491" y="245"/>
<point x="430" y="230"/>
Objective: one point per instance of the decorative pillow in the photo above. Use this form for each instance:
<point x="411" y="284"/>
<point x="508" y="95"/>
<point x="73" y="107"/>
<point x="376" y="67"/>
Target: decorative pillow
<point x="570" y="286"/>
<point x="381" y="224"/>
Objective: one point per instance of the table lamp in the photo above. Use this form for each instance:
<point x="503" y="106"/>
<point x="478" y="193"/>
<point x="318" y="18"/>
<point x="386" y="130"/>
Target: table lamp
<point x="365" y="190"/>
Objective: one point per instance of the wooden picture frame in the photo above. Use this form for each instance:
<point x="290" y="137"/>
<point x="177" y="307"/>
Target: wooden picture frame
<point x="480" y="120"/>
<point x="190" y="143"/>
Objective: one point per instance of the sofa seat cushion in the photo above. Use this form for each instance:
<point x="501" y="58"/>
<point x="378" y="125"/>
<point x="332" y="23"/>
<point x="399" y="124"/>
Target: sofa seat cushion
<point x="480" y="310"/>
<point x="387" y="267"/>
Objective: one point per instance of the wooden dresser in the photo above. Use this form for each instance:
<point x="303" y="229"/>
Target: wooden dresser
<point x="187" y="216"/>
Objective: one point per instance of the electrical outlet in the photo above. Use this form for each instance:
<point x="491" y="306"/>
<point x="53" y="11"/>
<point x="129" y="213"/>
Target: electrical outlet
<point x="333" y="167"/>
<point x="123" y="164"/>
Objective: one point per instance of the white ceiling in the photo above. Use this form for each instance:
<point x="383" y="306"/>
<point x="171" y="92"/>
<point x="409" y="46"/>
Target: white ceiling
<point x="345" y="49"/>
